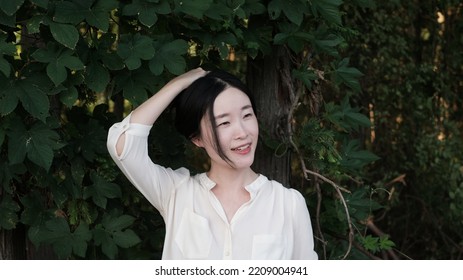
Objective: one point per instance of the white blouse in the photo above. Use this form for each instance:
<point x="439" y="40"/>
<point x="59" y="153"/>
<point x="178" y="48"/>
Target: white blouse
<point x="274" y="224"/>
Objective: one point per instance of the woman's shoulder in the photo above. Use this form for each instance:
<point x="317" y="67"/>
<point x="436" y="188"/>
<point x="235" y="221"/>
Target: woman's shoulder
<point x="278" y="187"/>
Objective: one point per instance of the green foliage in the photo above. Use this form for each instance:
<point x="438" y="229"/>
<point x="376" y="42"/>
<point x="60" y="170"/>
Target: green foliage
<point x="409" y="58"/>
<point x="66" y="67"/>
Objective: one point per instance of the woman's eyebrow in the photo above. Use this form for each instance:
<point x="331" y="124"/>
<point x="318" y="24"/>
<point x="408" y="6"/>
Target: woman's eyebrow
<point x="227" y="114"/>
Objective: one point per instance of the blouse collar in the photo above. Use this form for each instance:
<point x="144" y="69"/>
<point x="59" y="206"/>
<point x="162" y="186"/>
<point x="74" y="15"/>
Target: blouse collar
<point x="252" y="188"/>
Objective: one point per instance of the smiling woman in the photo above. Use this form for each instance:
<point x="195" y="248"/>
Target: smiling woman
<point x="229" y="212"/>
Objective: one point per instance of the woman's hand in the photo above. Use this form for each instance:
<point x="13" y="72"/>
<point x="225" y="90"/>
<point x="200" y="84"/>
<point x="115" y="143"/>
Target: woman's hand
<point x="187" y="78"/>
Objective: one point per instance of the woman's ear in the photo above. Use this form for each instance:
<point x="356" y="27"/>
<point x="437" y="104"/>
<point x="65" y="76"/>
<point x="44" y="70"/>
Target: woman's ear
<point x="197" y="141"/>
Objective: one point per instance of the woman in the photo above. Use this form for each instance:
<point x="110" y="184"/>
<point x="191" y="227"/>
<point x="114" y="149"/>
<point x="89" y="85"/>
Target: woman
<point x="229" y="212"/>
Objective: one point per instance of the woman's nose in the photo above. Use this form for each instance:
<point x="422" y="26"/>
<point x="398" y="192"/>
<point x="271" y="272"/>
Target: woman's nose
<point x="240" y="131"/>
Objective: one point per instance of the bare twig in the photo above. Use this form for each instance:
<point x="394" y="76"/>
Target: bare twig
<point x="308" y="172"/>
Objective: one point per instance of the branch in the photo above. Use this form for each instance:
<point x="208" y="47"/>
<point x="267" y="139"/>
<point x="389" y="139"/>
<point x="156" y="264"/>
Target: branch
<point x="308" y="172"/>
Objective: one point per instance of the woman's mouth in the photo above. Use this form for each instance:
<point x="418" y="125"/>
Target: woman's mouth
<point x="244" y="149"/>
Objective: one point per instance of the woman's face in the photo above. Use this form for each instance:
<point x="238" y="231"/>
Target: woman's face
<point x="236" y="127"/>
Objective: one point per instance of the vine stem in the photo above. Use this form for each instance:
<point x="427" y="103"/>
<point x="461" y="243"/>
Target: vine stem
<point x="308" y="172"/>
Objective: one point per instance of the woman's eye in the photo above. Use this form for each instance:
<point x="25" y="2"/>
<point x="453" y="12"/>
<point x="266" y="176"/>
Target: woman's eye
<point x="247" y="115"/>
<point x="223" y="123"/>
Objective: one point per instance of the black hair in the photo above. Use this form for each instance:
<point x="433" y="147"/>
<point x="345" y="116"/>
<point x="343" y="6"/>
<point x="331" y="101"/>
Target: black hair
<point x="197" y="101"/>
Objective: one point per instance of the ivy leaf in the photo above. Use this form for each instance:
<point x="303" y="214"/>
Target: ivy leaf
<point x="96" y="76"/>
<point x="193" y="8"/>
<point x="41" y="3"/>
<point x="8" y="213"/>
<point x="33" y="98"/>
<point x="5" y="49"/>
<point x="34" y="213"/>
<point x="293" y="10"/>
<point x="293" y="36"/>
<point x="354" y="158"/>
<point x="305" y="75"/>
<point x="95" y="14"/>
<point x="69" y="96"/>
<point x="147" y="10"/>
<point x="65" y="34"/>
<point x="10" y="7"/>
<point x="92" y="142"/>
<point x="37" y="143"/>
<point x="112" y="233"/>
<point x="347" y="75"/>
<point x="65" y="242"/>
<point x="169" y="55"/>
<point x="370" y="243"/>
<point x="385" y="243"/>
<point x="101" y="190"/>
<point x="8" y="99"/>
<point x="8" y="20"/>
<point x="134" y="48"/>
<point x="58" y="59"/>
<point x="328" y="9"/>
<point x="326" y="42"/>
<point x="135" y="85"/>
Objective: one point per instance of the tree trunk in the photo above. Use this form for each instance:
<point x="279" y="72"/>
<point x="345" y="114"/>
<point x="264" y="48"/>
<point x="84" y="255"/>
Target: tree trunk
<point x="267" y="77"/>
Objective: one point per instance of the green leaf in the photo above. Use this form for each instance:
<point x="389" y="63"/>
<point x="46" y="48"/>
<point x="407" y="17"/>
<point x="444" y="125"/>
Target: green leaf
<point x="112" y="233"/>
<point x="193" y="8"/>
<point x="385" y="243"/>
<point x="147" y="10"/>
<point x="8" y="98"/>
<point x="5" y="49"/>
<point x="328" y="9"/>
<point x="7" y="20"/>
<point x="305" y="75"/>
<point x="41" y="3"/>
<point x="8" y="213"/>
<point x="326" y="42"/>
<point x="96" y="76"/>
<point x="33" y="24"/>
<point x="113" y="224"/>
<point x="38" y="144"/>
<point x="170" y="56"/>
<point x="354" y="158"/>
<point x="134" y="48"/>
<point x="34" y="213"/>
<point x="371" y="243"/>
<point x="104" y="239"/>
<point x="65" y="34"/>
<point x="101" y="190"/>
<point x="76" y="11"/>
<point x="126" y="238"/>
<point x="10" y="7"/>
<point x="347" y="75"/>
<point x="65" y="242"/>
<point x="92" y="141"/>
<point x="253" y="7"/>
<point x="69" y="96"/>
<point x="58" y="59"/>
<point x="33" y="98"/>
<point x="293" y="10"/>
<point x="135" y="85"/>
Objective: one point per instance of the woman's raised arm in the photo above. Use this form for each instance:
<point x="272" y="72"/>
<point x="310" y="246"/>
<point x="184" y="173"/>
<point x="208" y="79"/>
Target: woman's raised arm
<point x="148" y="112"/>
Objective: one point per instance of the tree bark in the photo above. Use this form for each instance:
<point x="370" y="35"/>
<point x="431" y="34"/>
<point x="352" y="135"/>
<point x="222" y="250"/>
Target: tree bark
<point x="267" y="78"/>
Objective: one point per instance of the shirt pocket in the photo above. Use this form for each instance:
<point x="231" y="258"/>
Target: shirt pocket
<point x="194" y="237"/>
<point x="268" y="247"/>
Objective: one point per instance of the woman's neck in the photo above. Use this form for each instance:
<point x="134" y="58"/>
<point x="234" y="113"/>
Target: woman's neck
<point x="231" y="179"/>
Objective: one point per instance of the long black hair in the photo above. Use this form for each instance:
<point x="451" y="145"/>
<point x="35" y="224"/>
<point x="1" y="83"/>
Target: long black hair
<point x="197" y="101"/>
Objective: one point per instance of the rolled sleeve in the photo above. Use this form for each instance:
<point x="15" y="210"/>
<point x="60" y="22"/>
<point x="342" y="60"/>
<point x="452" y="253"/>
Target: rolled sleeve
<point x="156" y="183"/>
